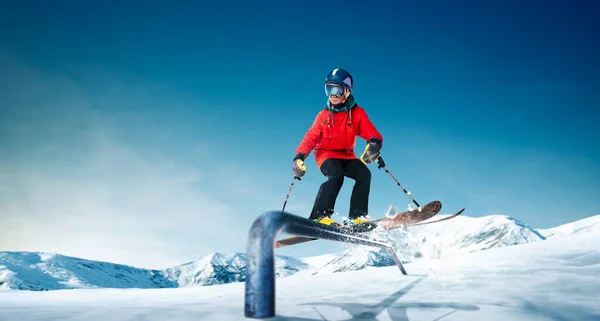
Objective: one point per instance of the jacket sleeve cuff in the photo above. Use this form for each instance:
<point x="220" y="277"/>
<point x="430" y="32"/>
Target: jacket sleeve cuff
<point x="299" y="156"/>
<point x="376" y="140"/>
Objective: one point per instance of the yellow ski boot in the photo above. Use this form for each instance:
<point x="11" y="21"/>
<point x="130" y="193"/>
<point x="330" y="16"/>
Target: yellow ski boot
<point x="324" y="217"/>
<point x="325" y="220"/>
<point x="361" y="219"/>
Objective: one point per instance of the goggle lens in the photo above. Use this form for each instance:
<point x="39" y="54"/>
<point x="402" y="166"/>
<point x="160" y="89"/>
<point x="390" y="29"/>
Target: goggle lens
<point x="334" y="90"/>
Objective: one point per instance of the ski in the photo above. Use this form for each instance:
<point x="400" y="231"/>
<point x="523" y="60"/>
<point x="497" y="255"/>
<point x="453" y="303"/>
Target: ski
<point x="407" y="218"/>
<point x="439" y="220"/>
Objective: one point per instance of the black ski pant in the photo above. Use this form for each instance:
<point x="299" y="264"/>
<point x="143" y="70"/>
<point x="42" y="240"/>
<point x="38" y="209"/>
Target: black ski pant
<point x="336" y="169"/>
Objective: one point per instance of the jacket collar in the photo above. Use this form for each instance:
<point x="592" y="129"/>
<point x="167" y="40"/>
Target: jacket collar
<point x="347" y="105"/>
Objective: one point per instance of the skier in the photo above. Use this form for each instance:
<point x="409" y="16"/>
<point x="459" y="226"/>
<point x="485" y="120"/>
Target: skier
<point x="333" y="137"/>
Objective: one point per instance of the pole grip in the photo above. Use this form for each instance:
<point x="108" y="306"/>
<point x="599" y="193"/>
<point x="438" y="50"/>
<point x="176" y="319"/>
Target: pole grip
<point x="380" y="162"/>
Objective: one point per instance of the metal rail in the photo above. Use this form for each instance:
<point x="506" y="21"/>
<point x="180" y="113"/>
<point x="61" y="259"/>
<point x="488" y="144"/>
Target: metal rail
<point x="260" y="269"/>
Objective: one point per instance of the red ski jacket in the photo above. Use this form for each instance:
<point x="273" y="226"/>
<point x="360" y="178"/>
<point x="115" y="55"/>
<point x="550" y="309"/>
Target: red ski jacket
<point x="333" y="135"/>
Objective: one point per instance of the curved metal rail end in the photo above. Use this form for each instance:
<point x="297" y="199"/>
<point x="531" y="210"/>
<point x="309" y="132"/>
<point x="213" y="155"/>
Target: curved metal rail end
<point x="260" y="268"/>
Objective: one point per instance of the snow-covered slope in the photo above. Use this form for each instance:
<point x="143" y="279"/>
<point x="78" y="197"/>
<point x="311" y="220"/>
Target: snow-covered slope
<point x="47" y="271"/>
<point x="587" y="224"/>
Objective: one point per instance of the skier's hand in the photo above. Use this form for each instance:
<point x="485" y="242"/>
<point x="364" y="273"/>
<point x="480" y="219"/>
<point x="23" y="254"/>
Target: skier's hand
<point x="371" y="153"/>
<point x="298" y="167"/>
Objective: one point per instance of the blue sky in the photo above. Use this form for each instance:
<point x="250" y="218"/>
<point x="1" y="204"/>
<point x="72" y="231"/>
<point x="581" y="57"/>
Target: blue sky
<point x="156" y="133"/>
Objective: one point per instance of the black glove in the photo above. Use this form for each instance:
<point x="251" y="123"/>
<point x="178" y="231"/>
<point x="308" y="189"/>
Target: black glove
<point x="298" y="167"/>
<point x="371" y="152"/>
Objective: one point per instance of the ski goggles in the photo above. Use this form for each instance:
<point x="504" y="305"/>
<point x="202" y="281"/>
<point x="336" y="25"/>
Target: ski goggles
<point x="334" y="90"/>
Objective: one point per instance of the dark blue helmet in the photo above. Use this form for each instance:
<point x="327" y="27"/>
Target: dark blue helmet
<point x="341" y="77"/>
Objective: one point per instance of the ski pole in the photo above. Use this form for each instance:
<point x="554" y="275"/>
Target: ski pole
<point x="382" y="165"/>
<point x="289" y="192"/>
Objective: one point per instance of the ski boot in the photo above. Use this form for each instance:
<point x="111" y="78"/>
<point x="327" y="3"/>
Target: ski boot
<point x="361" y="224"/>
<point x="361" y="219"/>
<point x="327" y="221"/>
<point x="324" y="217"/>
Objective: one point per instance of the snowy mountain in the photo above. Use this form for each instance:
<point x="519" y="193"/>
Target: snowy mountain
<point x="47" y="271"/>
<point x="218" y="268"/>
<point x="587" y="224"/>
<point x="469" y="234"/>
<point x="351" y="259"/>
<point x="461" y="235"/>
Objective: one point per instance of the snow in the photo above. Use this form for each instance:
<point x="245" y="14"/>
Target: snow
<point x="588" y="224"/>
<point x="491" y="268"/>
